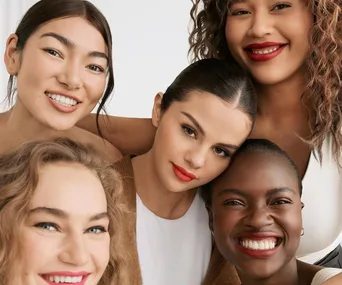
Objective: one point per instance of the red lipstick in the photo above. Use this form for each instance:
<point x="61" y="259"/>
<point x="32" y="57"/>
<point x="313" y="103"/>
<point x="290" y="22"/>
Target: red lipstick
<point x="259" y="236"/>
<point x="182" y="174"/>
<point x="261" y="52"/>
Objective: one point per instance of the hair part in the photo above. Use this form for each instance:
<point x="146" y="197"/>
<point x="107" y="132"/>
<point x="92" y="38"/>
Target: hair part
<point x="19" y="177"/>
<point x="255" y="146"/>
<point x="218" y="77"/>
<point x="323" y="93"/>
<point x="46" y="10"/>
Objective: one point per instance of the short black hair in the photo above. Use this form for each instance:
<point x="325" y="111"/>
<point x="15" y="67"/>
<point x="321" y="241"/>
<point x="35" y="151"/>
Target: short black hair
<point x="259" y="146"/>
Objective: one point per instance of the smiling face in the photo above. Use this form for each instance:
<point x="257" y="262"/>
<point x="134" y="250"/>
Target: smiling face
<point x="270" y="38"/>
<point x="61" y="72"/>
<point x="195" y="139"/>
<point x="256" y="212"/>
<point x="65" y="237"/>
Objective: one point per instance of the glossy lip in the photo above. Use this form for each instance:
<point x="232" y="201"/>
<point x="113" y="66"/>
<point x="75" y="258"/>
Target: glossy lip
<point x="258" y="236"/>
<point x="62" y="108"/>
<point x="66" y="273"/>
<point x="263" y="45"/>
<point x="182" y="174"/>
<point x="264" y="57"/>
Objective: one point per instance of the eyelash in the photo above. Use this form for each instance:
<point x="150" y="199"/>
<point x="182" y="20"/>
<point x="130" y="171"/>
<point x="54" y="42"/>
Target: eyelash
<point x="92" y="67"/>
<point x="44" y="226"/>
<point x="192" y="133"/>
<point x="234" y="203"/>
<point x="244" y="12"/>
<point x="280" y="202"/>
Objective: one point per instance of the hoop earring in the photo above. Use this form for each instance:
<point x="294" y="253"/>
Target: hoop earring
<point x="302" y="232"/>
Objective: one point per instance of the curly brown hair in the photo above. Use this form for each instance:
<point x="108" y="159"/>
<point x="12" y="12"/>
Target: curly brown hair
<point x="324" y="89"/>
<point x="19" y="176"/>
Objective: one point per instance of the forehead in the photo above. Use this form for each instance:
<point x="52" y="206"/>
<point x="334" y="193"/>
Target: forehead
<point x="77" y="30"/>
<point x="220" y="120"/>
<point x="70" y="187"/>
<point x="256" y="173"/>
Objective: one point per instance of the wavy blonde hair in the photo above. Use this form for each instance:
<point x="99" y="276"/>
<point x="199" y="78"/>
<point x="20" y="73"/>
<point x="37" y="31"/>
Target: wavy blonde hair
<point x="323" y="91"/>
<point x="18" y="180"/>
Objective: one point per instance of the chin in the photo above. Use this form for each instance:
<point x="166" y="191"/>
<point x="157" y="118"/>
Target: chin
<point x="258" y="271"/>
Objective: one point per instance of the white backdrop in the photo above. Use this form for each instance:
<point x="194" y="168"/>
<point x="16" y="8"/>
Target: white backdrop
<point x="150" y="47"/>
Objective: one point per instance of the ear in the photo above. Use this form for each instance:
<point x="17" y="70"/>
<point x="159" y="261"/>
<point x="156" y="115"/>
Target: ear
<point x="156" y="112"/>
<point x="12" y="55"/>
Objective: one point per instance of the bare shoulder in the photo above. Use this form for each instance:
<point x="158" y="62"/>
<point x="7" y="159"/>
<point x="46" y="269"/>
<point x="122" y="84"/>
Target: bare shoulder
<point x="109" y="151"/>
<point x="336" y="280"/>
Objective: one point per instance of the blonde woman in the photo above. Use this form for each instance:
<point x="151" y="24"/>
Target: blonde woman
<point x="60" y="217"/>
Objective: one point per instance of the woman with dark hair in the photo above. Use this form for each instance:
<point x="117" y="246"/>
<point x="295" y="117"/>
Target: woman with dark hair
<point x="60" y="65"/>
<point x="293" y="52"/>
<point x="201" y="119"/>
<point x="256" y="218"/>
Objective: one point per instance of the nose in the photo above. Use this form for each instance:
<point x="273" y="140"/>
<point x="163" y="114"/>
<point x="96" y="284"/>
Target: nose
<point x="261" y="25"/>
<point x="70" y="77"/>
<point x="75" y="251"/>
<point x="258" y="218"/>
<point x="196" y="157"/>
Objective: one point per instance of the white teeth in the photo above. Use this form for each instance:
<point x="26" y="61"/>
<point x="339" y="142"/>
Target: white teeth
<point x="265" y="244"/>
<point x="65" y="279"/>
<point x="265" y="50"/>
<point x="65" y="101"/>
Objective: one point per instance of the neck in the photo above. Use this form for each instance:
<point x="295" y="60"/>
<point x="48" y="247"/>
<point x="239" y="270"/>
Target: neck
<point x="19" y="126"/>
<point x="282" y="99"/>
<point x="287" y="275"/>
<point x="155" y="196"/>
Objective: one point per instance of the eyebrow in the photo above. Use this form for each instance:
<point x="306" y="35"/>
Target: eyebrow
<point x="200" y="129"/>
<point x="70" y="45"/>
<point x="232" y="2"/>
<point x="270" y="192"/>
<point x="63" y="215"/>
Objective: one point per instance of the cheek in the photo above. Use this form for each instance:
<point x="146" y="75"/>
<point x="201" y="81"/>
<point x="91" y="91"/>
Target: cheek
<point x="100" y="250"/>
<point x="95" y="86"/>
<point x="215" y="165"/>
<point x="37" y="251"/>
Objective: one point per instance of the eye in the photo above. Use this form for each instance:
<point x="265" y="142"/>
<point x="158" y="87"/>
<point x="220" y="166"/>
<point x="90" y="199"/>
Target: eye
<point x="239" y="13"/>
<point x="281" y="6"/>
<point x="189" y="131"/>
<point x="233" y="203"/>
<point x="47" y="226"/>
<point x="281" y="202"/>
<point x="96" y="68"/>
<point x="221" y="152"/>
<point x="53" y="52"/>
<point x="97" y="230"/>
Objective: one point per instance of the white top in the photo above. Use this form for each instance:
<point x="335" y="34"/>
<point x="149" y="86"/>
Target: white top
<point x="322" y="214"/>
<point x="174" y="252"/>
<point x="324" y="275"/>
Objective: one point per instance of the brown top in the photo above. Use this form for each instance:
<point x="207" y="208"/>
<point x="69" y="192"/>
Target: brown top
<point x="219" y="271"/>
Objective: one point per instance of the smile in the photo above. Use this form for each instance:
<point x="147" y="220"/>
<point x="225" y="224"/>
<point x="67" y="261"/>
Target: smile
<point x="63" y="279"/>
<point x="63" y="100"/>
<point x="261" y="54"/>
<point x="259" y="248"/>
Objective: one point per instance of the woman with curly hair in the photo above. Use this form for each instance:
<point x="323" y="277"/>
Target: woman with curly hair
<point x="61" y="217"/>
<point x="293" y="52"/>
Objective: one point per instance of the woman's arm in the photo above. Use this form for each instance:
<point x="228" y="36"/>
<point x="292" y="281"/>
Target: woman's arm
<point x="129" y="135"/>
